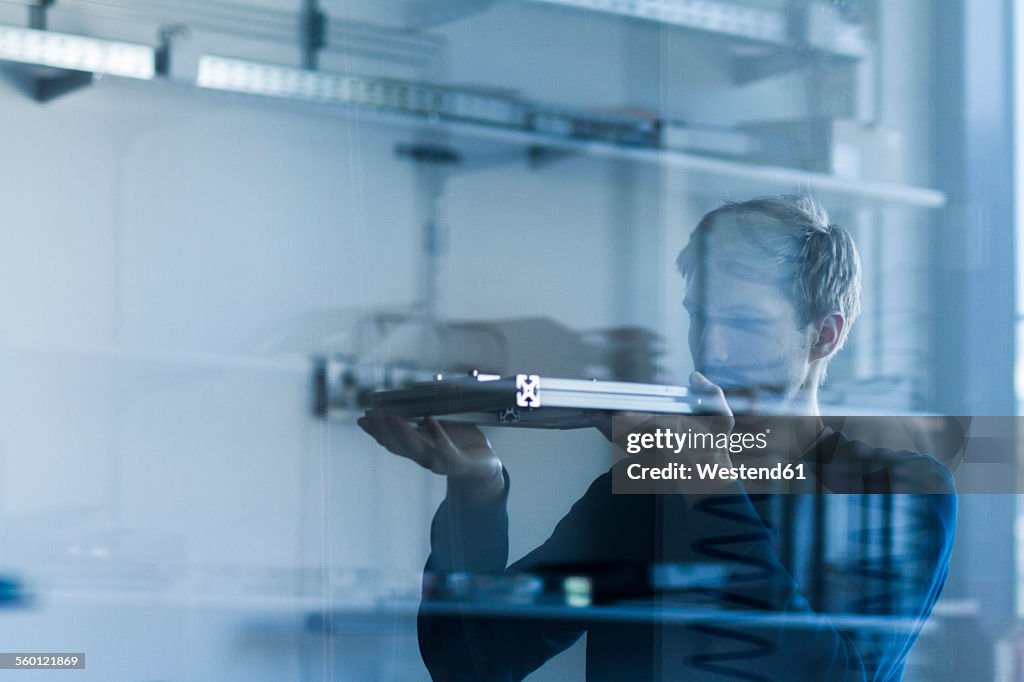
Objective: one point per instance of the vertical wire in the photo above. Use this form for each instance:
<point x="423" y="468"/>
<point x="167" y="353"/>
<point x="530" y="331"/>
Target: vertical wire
<point x="353" y="153"/>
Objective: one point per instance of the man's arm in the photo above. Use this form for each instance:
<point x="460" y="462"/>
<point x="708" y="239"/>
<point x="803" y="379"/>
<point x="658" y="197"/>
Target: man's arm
<point x="470" y="533"/>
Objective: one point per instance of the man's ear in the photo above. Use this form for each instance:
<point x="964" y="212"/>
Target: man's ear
<point x="830" y="331"/>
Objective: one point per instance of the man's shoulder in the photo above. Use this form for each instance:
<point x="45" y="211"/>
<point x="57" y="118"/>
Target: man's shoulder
<point x="856" y="466"/>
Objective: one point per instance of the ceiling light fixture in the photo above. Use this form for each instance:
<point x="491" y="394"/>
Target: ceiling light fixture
<point x="76" y="53"/>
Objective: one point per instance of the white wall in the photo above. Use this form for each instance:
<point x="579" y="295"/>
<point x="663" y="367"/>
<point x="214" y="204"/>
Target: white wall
<point x="162" y="481"/>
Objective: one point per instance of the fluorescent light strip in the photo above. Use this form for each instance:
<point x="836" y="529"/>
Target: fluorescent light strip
<point x="65" y="51"/>
<point x="270" y="80"/>
<point x="720" y="17"/>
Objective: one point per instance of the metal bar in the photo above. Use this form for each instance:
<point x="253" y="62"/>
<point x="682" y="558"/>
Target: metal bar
<point x="525" y="401"/>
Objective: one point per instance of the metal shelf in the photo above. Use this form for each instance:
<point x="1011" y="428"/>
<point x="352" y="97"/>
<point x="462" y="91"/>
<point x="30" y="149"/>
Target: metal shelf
<point x="748" y="176"/>
<point x="495" y="143"/>
<point x="542" y="130"/>
<point x="743" y="178"/>
<point x="286" y="362"/>
<point x="816" y="28"/>
<point x="355" y="620"/>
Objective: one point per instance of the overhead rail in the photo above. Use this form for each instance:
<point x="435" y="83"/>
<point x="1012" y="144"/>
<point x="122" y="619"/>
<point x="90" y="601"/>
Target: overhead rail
<point x="544" y="131"/>
<point x="340" y="36"/>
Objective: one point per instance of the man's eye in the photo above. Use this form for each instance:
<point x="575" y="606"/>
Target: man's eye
<point x="746" y="323"/>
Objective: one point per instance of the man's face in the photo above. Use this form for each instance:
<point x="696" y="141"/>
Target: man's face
<point x="745" y="334"/>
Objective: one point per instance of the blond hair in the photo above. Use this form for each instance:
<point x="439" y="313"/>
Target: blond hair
<point x="816" y="257"/>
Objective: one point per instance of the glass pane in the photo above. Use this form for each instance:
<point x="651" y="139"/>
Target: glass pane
<point x="466" y="339"/>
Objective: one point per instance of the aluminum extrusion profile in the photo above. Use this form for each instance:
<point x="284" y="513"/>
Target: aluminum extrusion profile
<point x="528" y="401"/>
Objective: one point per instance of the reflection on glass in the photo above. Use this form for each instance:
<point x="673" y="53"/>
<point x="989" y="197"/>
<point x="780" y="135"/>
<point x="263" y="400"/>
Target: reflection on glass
<point x="827" y="575"/>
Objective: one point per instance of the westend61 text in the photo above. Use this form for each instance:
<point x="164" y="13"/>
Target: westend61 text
<point x="716" y="472"/>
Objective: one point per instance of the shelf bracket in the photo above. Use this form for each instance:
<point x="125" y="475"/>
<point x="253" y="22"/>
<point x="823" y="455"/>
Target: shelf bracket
<point x="313" y="30"/>
<point x="41" y="83"/>
<point x="47" y="87"/>
<point x="165" y="47"/>
<point x="539" y="156"/>
<point x="37" y="14"/>
<point x="749" y="69"/>
<point x="444" y="155"/>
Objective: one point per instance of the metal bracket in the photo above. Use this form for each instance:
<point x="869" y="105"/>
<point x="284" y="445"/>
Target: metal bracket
<point x="539" y="156"/>
<point x="41" y="83"/>
<point x="313" y="32"/>
<point x="437" y="154"/>
<point x="167" y="36"/>
<point x="44" y="84"/>
<point x="37" y="14"/>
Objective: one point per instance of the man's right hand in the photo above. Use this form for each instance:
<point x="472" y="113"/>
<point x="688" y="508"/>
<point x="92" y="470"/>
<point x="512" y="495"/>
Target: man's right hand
<point x="456" y="450"/>
<point x="712" y="405"/>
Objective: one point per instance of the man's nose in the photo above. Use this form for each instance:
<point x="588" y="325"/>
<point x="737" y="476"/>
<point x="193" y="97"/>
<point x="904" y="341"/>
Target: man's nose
<point x="712" y="348"/>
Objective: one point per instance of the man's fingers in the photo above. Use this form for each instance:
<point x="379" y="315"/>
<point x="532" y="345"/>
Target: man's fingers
<point x="396" y="436"/>
<point x="372" y="425"/>
<point x="440" y="448"/>
<point x="703" y="385"/>
<point x="712" y="398"/>
<point x="441" y="440"/>
<point x="464" y="435"/>
<point x="389" y="437"/>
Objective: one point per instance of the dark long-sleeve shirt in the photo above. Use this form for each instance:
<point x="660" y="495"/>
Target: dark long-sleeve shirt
<point x="745" y="536"/>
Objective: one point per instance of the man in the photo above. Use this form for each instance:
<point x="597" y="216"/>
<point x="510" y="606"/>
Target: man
<point x="773" y="289"/>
